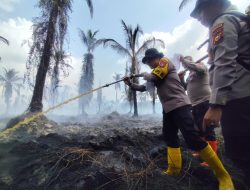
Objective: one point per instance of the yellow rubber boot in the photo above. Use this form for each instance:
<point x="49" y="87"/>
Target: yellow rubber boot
<point x="209" y="156"/>
<point x="214" y="146"/>
<point x="174" y="161"/>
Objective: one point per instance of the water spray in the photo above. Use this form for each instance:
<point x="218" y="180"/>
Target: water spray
<point x="38" y="114"/>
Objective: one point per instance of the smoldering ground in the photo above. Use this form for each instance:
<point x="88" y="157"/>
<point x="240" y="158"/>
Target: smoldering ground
<point x="109" y="152"/>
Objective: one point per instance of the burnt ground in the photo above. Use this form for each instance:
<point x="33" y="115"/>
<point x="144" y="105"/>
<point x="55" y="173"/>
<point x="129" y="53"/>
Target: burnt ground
<point x="112" y="152"/>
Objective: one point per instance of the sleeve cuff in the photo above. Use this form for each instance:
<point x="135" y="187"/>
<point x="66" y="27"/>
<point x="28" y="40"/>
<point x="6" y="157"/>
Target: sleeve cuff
<point x="216" y="106"/>
<point x="218" y="98"/>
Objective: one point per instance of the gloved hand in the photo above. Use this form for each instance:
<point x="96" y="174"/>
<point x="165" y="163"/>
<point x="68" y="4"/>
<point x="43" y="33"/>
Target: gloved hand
<point x="127" y="80"/>
<point x="146" y="76"/>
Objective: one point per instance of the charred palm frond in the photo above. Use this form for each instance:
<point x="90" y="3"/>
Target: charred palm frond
<point x="151" y="42"/>
<point x="4" y="40"/>
<point x="90" y="5"/>
<point x="117" y="47"/>
<point x="90" y="41"/>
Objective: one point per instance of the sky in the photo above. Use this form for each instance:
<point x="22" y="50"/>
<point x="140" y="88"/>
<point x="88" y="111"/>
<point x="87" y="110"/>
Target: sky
<point x="160" y="18"/>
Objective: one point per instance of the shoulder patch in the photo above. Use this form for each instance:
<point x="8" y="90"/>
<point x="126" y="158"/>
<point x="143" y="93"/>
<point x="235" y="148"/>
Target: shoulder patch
<point x="163" y="62"/>
<point x="162" y="70"/>
<point x="218" y="34"/>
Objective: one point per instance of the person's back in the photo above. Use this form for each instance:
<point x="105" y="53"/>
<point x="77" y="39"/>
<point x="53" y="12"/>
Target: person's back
<point x="170" y="90"/>
<point x="198" y="88"/>
<point x="235" y="54"/>
<point x="197" y="83"/>
<point x="199" y="92"/>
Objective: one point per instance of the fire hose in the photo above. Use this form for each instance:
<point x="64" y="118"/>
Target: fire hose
<point x="5" y="132"/>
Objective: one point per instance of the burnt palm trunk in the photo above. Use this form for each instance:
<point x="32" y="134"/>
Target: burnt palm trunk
<point x="36" y="101"/>
<point x="135" y="80"/>
<point x="135" y="104"/>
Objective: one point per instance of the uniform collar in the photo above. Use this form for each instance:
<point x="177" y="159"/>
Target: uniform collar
<point x="231" y="8"/>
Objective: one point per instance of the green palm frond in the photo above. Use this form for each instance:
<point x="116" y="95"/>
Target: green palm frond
<point x="128" y="34"/>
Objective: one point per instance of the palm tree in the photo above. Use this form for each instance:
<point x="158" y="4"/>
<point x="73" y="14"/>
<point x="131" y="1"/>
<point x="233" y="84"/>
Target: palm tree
<point x="9" y="80"/>
<point x="4" y="40"/>
<point x="49" y="29"/>
<point x="133" y="51"/>
<point x="117" y="77"/>
<point x="127" y="71"/>
<point x="87" y="77"/>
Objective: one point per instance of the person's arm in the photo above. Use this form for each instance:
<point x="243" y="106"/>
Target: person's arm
<point x="133" y="86"/>
<point x="183" y="82"/>
<point x="196" y="67"/>
<point x="224" y="43"/>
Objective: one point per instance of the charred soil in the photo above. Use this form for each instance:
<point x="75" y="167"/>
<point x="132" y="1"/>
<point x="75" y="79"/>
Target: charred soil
<point x="112" y="152"/>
